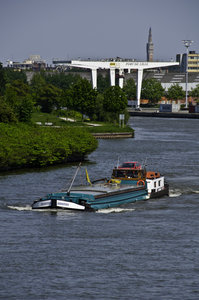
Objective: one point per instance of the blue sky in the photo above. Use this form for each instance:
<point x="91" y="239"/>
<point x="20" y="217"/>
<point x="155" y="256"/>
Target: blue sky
<point x="96" y="28"/>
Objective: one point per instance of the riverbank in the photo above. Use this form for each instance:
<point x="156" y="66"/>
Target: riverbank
<point x="113" y="135"/>
<point x="156" y="114"/>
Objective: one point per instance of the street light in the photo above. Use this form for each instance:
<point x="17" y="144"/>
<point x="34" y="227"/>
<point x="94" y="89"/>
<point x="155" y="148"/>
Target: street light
<point x="187" y="44"/>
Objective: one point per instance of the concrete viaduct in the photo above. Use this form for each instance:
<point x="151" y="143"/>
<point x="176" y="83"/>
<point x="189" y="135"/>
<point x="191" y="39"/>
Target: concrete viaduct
<point x="121" y="66"/>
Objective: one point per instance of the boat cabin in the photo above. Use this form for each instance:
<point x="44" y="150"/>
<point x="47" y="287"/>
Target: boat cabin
<point x="125" y="174"/>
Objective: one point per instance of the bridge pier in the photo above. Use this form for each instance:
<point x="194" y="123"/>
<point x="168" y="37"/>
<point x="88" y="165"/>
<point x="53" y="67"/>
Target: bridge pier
<point x="94" y="78"/>
<point x="139" y="85"/>
<point x="121" y="78"/>
<point x="112" y="76"/>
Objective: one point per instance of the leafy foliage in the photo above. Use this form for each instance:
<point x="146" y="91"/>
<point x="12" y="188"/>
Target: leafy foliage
<point x="2" y="79"/>
<point x="12" y="75"/>
<point x="175" y="92"/>
<point x="195" y="92"/>
<point x="102" y="83"/>
<point x="82" y="97"/>
<point x="25" y="146"/>
<point x="61" y="80"/>
<point x="49" y="98"/>
<point x="115" y="99"/>
<point x="7" y="114"/>
<point x="17" y="96"/>
<point x="115" y="103"/>
<point x="46" y="95"/>
<point x="152" y="90"/>
<point x="130" y="89"/>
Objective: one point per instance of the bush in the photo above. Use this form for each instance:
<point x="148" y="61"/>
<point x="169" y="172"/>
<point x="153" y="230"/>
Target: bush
<point x="32" y="146"/>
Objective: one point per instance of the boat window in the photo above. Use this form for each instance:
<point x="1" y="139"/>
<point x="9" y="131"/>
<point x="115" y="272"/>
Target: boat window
<point x="159" y="182"/>
<point x="128" y="165"/>
<point x="133" y="174"/>
<point x="129" y="173"/>
<point x="155" y="184"/>
<point x="119" y="173"/>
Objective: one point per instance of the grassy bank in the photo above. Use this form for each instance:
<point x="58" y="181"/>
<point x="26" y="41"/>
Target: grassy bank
<point x="92" y="127"/>
<point x="35" y="146"/>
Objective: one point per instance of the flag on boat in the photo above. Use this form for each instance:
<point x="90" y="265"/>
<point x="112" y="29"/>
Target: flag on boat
<point x="87" y="178"/>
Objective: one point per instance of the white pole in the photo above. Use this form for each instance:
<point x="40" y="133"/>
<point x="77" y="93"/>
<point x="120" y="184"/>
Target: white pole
<point x="187" y="44"/>
<point x="186" y="101"/>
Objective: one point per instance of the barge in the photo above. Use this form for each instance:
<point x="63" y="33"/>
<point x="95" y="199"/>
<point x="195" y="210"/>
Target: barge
<point x="129" y="183"/>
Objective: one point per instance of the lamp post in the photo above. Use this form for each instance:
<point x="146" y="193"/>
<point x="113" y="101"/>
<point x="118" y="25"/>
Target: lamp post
<point x="187" y="44"/>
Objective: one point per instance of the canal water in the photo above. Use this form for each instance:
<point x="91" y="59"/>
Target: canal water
<point x="146" y="250"/>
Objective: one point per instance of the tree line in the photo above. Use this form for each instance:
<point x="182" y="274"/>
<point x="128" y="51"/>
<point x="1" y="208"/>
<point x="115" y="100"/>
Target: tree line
<point x="53" y="92"/>
<point x="50" y="92"/>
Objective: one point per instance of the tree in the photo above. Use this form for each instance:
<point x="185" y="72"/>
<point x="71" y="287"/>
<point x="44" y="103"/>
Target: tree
<point x="49" y="98"/>
<point x="115" y="99"/>
<point x="62" y="80"/>
<point x="152" y="90"/>
<point x="7" y="114"/>
<point x="130" y="89"/>
<point x="115" y="103"/>
<point x="99" y="109"/>
<point x="45" y="94"/>
<point x="175" y="92"/>
<point x="11" y="75"/>
<point x="18" y="97"/>
<point x="102" y="83"/>
<point x="195" y="92"/>
<point x="82" y="97"/>
<point x="2" y="79"/>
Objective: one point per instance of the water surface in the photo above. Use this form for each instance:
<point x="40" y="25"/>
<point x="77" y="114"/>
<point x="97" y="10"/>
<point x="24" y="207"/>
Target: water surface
<point x="146" y="250"/>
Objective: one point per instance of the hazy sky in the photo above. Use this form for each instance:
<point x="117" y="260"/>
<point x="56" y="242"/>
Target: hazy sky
<point x="96" y="28"/>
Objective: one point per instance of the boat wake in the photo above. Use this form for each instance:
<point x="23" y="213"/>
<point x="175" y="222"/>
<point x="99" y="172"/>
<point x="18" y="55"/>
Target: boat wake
<point x="29" y="208"/>
<point x="114" y="210"/>
<point x="174" y="193"/>
<point x="20" y="208"/>
<point x="177" y="193"/>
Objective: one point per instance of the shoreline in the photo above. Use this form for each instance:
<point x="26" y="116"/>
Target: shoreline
<point x="155" y="114"/>
<point x="113" y="135"/>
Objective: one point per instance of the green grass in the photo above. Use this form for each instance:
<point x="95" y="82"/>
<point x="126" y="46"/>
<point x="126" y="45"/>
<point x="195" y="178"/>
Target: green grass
<point x="47" y="118"/>
<point x="108" y="128"/>
<point x="56" y="121"/>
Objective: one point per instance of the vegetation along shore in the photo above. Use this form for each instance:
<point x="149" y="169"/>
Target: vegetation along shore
<point x="52" y="119"/>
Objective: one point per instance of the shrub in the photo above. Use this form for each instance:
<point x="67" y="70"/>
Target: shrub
<point x="32" y="146"/>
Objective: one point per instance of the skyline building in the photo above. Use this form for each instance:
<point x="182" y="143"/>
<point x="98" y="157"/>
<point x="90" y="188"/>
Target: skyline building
<point x="193" y="62"/>
<point x="149" y="47"/>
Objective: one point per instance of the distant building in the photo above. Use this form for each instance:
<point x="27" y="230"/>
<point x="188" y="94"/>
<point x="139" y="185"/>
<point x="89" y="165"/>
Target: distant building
<point x="149" y="47"/>
<point x="34" y="62"/>
<point x="193" y="62"/>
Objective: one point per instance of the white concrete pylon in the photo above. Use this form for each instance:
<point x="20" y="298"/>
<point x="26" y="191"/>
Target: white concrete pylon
<point x="112" y="76"/>
<point x="94" y="78"/>
<point x="139" y="85"/>
<point x="121" y="78"/>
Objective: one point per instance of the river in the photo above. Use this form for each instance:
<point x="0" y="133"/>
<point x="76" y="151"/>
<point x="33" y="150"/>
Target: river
<point x="147" y="250"/>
